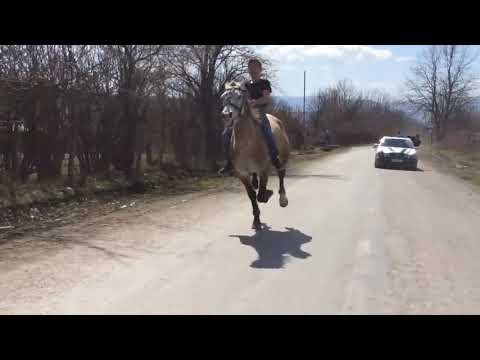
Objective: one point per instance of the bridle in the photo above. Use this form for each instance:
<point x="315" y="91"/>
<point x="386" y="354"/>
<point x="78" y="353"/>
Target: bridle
<point x="242" y="105"/>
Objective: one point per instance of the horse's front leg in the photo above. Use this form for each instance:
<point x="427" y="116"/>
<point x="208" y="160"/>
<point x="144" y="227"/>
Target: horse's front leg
<point x="257" y="225"/>
<point x="255" y="181"/>
<point x="283" y="196"/>
<point x="264" y="194"/>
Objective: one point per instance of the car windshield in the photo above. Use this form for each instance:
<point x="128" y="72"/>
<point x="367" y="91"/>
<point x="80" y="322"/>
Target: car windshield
<point x="401" y="143"/>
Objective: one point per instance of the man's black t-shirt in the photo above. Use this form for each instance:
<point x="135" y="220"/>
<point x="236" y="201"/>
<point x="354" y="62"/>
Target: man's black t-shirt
<point x="255" y="89"/>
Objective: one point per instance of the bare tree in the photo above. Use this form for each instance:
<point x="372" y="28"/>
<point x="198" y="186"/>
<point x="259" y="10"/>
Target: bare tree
<point x="129" y="72"/>
<point x="94" y="103"/>
<point x="200" y="72"/>
<point x="292" y="120"/>
<point x="442" y="84"/>
<point x="354" y="116"/>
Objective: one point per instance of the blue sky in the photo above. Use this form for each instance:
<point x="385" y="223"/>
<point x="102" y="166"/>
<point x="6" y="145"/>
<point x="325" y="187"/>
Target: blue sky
<point x="369" y="67"/>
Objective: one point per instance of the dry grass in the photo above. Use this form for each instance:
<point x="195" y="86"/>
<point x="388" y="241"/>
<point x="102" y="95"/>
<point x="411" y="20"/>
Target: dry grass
<point x="311" y="154"/>
<point x="157" y="182"/>
<point x="33" y="192"/>
<point x="464" y="163"/>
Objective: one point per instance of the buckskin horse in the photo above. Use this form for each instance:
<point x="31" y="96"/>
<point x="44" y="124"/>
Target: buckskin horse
<point x="249" y="151"/>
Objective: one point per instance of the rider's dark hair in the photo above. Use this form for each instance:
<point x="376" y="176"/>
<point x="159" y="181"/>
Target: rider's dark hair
<point x="255" y="61"/>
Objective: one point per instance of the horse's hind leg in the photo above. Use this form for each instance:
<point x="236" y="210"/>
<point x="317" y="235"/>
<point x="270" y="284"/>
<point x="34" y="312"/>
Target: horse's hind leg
<point x="264" y="194"/>
<point x="283" y="196"/>
<point x="255" y="181"/>
<point x="253" y="198"/>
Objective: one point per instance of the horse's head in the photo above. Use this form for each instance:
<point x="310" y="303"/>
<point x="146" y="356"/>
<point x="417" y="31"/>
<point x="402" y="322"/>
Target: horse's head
<point x="233" y="100"/>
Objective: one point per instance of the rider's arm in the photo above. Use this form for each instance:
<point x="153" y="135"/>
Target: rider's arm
<point x="266" y="99"/>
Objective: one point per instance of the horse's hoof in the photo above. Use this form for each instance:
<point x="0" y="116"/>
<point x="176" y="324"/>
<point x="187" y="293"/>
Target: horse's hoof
<point x="264" y="197"/>
<point x="283" y="201"/>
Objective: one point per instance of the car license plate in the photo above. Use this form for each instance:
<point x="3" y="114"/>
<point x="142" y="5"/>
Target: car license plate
<point x="397" y="160"/>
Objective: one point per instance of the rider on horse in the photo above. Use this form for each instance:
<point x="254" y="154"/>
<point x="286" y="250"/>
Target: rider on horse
<point x="259" y="94"/>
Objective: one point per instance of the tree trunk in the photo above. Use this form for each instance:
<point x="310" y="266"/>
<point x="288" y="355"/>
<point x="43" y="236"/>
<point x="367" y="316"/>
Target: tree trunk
<point x="211" y="132"/>
<point x="439" y="133"/>
<point x="70" y="175"/>
<point x="14" y="154"/>
<point x="11" y="189"/>
<point x="138" y="166"/>
<point x="149" y="155"/>
<point x="129" y="135"/>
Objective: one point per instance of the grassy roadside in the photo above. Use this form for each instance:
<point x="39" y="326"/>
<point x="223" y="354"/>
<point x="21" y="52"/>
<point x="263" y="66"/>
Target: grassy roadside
<point x="45" y="206"/>
<point x="311" y="154"/>
<point x="463" y="164"/>
<point x="156" y="181"/>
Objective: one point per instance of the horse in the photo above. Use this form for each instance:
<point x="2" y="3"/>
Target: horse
<point x="249" y="151"/>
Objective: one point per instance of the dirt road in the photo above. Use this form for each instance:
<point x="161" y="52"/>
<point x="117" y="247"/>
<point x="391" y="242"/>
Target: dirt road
<point x="353" y="239"/>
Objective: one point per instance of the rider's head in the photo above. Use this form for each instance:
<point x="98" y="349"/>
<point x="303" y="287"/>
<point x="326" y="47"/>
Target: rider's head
<point x="254" y="68"/>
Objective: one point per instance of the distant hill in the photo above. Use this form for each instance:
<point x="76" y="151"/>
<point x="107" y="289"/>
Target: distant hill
<point x="295" y="102"/>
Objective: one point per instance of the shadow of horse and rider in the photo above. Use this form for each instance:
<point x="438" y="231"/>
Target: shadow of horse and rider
<point x="276" y="248"/>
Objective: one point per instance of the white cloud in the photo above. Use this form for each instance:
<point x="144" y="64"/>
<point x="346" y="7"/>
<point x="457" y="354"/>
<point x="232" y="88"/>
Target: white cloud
<point x="299" y="52"/>
<point x="287" y="67"/>
<point x="404" y="58"/>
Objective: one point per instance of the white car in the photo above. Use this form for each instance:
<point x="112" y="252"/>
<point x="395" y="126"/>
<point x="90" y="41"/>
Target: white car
<point x="396" y="152"/>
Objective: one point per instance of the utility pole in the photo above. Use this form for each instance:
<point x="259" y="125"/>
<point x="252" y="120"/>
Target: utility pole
<point x="304" y="121"/>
